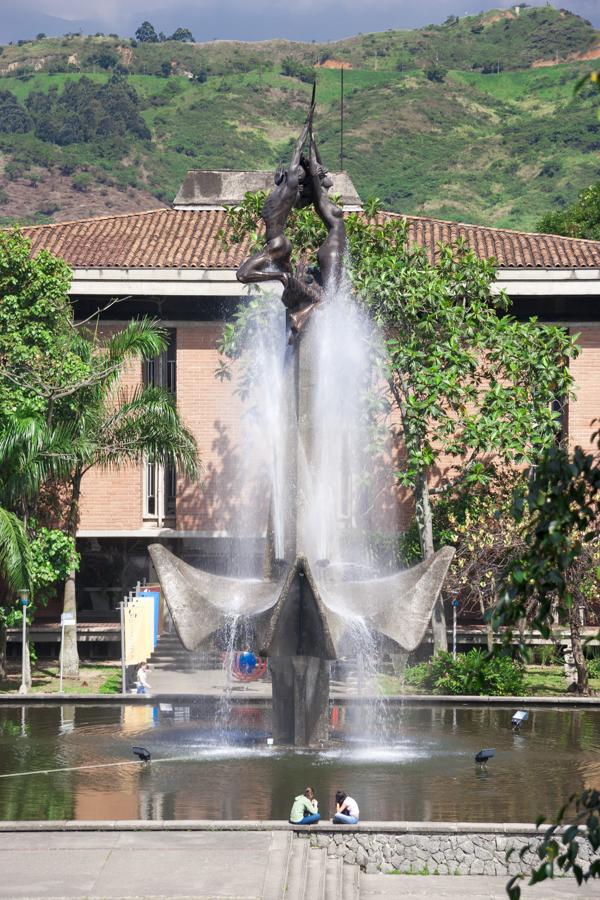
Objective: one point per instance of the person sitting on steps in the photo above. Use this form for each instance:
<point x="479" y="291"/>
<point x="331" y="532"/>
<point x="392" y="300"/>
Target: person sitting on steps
<point x="305" y="809"/>
<point x="346" y="810"/>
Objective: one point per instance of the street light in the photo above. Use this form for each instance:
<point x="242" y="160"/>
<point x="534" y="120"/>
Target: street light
<point x="24" y="598"/>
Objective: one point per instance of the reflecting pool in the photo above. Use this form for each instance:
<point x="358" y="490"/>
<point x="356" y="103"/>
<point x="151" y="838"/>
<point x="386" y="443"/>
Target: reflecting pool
<point x="421" y="769"/>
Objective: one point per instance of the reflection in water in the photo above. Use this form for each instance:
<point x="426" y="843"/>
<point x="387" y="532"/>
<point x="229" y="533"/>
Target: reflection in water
<point x="422" y="769"/>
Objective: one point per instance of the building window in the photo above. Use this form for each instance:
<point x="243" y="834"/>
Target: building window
<point x="160" y="371"/>
<point x="170" y="490"/>
<point x="151" y="506"/>
<point x="160" y="482"/>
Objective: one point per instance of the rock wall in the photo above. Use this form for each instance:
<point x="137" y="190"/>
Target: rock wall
<point x="436" y="852"/>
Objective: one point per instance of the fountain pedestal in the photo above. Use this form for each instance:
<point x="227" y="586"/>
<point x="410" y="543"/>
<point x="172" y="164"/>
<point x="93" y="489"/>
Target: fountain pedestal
<point x="300" y="699"/>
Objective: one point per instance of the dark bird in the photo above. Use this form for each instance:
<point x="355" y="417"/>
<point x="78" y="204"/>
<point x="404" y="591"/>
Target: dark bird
<point x="483" y="755"/>
<point x="142" y="753"/>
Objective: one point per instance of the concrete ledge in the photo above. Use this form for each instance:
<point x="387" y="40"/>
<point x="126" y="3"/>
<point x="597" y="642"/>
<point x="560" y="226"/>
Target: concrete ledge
<point x="396" y="699"/>
<point x="504" y="828"/>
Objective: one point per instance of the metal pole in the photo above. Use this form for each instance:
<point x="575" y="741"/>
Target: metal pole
<point x="342" y="119"/>
<point x="62" y="644"/>
<point x="123" y="667"/>
<point x="24" y="599"/>
<point x="454" y="608"/>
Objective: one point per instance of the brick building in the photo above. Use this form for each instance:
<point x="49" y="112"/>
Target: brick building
<point x="171" y="264"/>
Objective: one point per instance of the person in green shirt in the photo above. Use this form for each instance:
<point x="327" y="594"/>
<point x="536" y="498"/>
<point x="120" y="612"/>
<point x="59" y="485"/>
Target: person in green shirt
<point x="305" y="809"/>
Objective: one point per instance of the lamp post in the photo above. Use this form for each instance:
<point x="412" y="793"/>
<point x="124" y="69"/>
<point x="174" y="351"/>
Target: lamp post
<point x="24" y="598"/>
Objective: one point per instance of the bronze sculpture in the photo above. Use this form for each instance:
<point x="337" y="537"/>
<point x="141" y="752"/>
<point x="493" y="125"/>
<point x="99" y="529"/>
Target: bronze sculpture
<point x="305" y="181"/>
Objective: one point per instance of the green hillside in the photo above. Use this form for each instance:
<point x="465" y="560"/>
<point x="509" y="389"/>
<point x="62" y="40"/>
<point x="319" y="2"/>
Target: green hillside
<point x="431" y="125"/>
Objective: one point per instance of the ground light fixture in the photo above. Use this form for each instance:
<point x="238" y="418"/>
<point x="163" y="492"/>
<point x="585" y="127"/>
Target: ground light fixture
<point x="518" y="718"/>
<point x="24" y="600"/>
<point x="142" y="753"/>
<point x="482" y="756"/>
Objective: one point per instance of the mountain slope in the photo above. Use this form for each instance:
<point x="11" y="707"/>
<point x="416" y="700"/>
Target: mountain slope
<point x="500" y="148"/>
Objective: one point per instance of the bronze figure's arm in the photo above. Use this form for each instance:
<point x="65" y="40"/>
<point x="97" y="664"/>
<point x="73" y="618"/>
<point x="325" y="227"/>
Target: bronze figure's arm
<point x="273" y="262"/>
<point x="331" y="253"/>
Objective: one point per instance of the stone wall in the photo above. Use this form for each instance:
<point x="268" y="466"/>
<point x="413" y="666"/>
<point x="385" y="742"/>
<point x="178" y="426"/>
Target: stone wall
<point x="433" y="850"/>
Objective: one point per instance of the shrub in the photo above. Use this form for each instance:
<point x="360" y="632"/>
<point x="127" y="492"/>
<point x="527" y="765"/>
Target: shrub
<point x="81" y="182"/>
<point x="417" y="676"/>
<point x="49" y="208"/>
<point x="295" y="69"/>
<point x="472" y="673"/>
<point x="436" y="73"/>
<point x="548" y="655"/>
<point x="593" y="667"/>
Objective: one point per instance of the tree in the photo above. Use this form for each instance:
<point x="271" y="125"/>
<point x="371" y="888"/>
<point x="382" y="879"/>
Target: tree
<point x="580" y="220"/>
<point x="182" y="34"/>
<point x="293" y="68"/>
<point x="69" y="378"/>
<point x="146" y="34"/>
<point x="30" y="453"/>
<point x="563" y="502"/>
<point x="480" y="524"/>
<point x="465" y="380"/>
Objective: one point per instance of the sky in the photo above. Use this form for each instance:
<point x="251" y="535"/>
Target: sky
<point x="320" y="20"/>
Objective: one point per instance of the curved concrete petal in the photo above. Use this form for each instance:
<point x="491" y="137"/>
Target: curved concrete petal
<point x="201" y="603"/>
<point x="398" y="606"/>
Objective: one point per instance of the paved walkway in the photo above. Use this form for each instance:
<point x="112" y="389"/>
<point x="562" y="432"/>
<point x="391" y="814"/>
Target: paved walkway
<point x="232" y="865"/>
<point x="467" y="887"/>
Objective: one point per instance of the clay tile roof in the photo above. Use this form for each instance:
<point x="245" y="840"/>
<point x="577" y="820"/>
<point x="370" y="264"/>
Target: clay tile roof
<point x="169" y="238"/>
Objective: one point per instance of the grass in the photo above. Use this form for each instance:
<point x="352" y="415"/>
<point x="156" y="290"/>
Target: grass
<point x="540" y="681"/>
<point x="93" y="679"/>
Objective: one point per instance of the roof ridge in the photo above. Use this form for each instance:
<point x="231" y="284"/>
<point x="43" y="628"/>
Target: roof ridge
<point x="541" y="234"/>
<point x="407" y="216"/>
<point x="131" y="215"/>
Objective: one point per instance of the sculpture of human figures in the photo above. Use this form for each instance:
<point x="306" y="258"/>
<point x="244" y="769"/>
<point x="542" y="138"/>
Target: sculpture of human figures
<point x="305" y="181"/>
<point x="331" y="253"/>
<point x="273" y="262"/>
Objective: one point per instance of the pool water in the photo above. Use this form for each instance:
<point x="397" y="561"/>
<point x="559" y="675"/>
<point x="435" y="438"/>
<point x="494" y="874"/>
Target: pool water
<point x="420" y="769"/>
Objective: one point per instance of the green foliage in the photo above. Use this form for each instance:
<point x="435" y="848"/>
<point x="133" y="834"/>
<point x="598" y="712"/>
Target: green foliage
<point x="85" y="112"/>
<point x="15" y="556"/>
<point x="581" y="220"/>
<point x="182" y="34"/>
<point x="295" y="69"/>
<point x="436" y="73"/>
<point x="13" y="118"/>
<point x="417" y="676"/>
<point x="35" y="326"/>
<point x="146" y="34"/>
<point x="474" y="673"/>
<point x="558" y="851"/>
<point x="106" y="59"/>
<point x="593" y="666"/>
<point x="562" y="503"/>
<point x="53" y="557"/>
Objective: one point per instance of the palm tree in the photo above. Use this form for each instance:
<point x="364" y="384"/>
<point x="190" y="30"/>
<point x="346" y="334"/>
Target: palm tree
<point x="112" y="428"/>
<point x="31" y="453"/>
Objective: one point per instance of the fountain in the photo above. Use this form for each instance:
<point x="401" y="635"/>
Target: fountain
<point x="316" y="589"/>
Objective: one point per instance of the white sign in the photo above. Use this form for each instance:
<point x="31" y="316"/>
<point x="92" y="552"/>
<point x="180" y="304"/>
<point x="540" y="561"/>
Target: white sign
<point x="67" y="619"/>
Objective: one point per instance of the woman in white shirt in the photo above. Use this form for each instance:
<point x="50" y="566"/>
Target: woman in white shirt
<point x="346" y="810"/>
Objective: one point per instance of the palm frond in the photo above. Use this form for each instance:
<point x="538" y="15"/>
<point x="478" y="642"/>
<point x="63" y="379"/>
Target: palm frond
<point x="15" y="556"/>
<point x="144" y="425"/>
<point x="144" y="338"/>
<point x="32" y="453"/>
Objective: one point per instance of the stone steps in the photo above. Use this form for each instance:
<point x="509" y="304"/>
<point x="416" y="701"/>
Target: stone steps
<point x="312" y="875"/>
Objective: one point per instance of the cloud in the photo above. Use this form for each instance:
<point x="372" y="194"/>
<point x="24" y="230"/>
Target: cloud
<point x="319" y="20"/>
